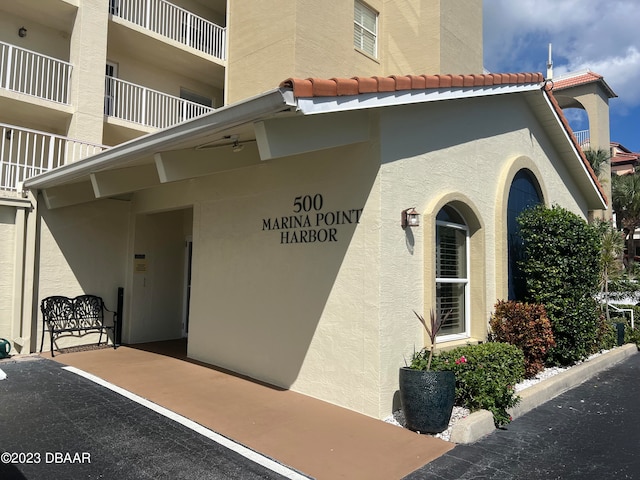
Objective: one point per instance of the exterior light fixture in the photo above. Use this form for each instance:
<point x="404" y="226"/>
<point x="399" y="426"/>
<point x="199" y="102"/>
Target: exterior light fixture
<point x="22" y="32"/>
<point x="237" y="146"/>
<point x="410" y="218"/>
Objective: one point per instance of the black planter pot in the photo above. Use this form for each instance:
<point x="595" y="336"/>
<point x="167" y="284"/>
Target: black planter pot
<point x="427" y="399"/>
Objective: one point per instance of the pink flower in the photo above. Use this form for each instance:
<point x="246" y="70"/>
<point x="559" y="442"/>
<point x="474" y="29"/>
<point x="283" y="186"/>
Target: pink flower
<point x="462" y="359"/>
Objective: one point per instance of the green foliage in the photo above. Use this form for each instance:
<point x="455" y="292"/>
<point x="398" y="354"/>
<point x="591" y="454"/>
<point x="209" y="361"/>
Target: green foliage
<point x="526" y="326"/>
<point x="598" y="159"/>
<point x="625" y="202"/>
<point x="607" y="335"/>
<point x="632" y="335"/>
<point x="562" y="271"/>
<point x="485" y="376"/>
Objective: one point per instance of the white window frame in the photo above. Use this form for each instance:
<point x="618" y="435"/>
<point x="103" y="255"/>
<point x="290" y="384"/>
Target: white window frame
<point x="359" y="29"/>
<point x="465" y="281"/>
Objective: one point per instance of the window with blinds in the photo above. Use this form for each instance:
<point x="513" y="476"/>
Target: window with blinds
<point x="451" y="271"/>
<point x="365" y="29"/>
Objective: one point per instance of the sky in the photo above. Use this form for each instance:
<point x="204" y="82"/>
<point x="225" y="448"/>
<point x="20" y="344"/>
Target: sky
<point x="598" y="35"/>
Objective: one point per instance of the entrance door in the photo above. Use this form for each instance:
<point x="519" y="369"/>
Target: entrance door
<point x="188" y="254"/>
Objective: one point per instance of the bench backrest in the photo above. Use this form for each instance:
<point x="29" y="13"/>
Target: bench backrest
<point x="84" y="311"/>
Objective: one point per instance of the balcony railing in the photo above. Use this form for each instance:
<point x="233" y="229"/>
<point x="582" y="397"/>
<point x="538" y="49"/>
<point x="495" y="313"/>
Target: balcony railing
<point x="34" y="74"/>
<point x="583" y="138"/>
<point x="137" y="104"/>
<point x="173" y="22"/>
<point x="25" y="153"/>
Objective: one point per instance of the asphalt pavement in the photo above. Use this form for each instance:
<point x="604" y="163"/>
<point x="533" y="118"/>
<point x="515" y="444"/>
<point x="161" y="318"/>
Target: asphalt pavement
<point x="589" y="432"/>
<point x="55" y="424"/>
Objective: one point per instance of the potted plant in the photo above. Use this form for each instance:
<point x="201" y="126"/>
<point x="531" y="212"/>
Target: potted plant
<point x="427" y="396"/>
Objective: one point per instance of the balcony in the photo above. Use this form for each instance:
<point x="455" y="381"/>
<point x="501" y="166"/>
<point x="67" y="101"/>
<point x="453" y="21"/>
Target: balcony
<point x="173" y="22"/>
<point x="137" y="104"/>
<point x="583" y="138"/>
<point x="25" y="153"/>
<point x="31" y="73"/>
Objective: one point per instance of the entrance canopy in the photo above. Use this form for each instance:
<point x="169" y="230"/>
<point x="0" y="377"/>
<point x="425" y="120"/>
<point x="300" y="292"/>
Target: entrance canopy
<point x="270" y="126"/>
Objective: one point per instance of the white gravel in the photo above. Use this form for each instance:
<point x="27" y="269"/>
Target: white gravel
<point x="459" y="412"/>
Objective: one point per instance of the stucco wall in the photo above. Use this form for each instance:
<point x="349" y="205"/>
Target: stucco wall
<point x="83" y="249"/>
<point x="297" y="315"/>
<point x="269" y="42"/>
<point x="40" y="38"/>
<point x="430" y="157"/>
<point x="7" y="266"/>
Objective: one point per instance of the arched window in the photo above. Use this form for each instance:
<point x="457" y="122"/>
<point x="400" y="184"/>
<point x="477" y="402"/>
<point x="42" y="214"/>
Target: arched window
<point x="452" y="271"/>
<point x="524" y="193"/>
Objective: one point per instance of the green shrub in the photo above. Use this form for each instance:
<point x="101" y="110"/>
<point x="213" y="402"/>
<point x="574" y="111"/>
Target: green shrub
<point x="632" y="335"/>
<point x="485" y="376"/>
<point x="607" y="336"/>
<point x="562" y="272"/>
<point x="526" y="326"/>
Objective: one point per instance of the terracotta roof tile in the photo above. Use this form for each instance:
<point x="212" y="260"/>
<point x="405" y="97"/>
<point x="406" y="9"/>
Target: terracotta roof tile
<point x="346" y="86"/>
<point x="367" y="84"/>
<point x="582" y="78"/>
<point x="317" y="87"/>
<point x="418" y="82"/>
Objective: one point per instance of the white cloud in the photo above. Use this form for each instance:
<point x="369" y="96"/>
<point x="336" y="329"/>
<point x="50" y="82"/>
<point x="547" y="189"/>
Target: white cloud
<point x="599" y="35"/>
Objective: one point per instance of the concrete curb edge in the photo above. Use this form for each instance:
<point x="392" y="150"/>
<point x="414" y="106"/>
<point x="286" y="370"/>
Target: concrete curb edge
<point x="480" y="423"/>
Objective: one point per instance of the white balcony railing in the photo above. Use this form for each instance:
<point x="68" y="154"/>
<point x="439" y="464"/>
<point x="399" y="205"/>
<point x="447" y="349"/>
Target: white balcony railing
<point x="137" y="104"/>
<point x="583" y="138"/>
<point x="34" y="74"/>
<point x="25" y="153"/>
<point x="173" y="22"/>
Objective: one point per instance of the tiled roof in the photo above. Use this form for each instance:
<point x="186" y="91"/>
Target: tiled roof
<point x="334" y="87"/>
<point x="582" y="78"/>
<point x="549" y="87"/>
<point x="625" y="158"/>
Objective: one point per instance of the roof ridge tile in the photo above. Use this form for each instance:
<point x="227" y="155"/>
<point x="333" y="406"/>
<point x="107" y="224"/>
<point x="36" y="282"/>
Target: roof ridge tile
<point x="338" y="86"/>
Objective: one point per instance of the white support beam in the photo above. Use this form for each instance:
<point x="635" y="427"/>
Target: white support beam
<point x="109" y="183"/>
<point x="183" y="164"/>
<point x="281" y="137"/>
<point x="66" y="195"/>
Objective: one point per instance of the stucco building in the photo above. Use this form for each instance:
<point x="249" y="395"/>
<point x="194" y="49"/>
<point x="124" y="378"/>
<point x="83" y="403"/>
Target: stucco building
<point x="268" y="231"/>
<point x="80" y="76"/>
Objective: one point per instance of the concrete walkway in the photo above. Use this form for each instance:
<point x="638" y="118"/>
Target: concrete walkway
<point x="311" y="436"/>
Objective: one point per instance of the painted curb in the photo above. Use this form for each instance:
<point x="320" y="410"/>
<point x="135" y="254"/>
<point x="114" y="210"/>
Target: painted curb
<point x="476" y="425"/>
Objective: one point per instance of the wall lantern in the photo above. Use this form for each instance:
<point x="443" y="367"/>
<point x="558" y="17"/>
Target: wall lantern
<point x="410" y="218"/>
<point x="22" y="32"/>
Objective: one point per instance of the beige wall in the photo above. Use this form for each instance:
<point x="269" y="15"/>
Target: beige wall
<point x="269" y="42"/>
<point x="83" y="249"/>
<point x="7" y="268"/>
<point x="295" y="315"/>
<point x="40" y="38"/>
<point x="429" y="161"/>
<point x="461" y="37"/>
<point x="88" y="53"/>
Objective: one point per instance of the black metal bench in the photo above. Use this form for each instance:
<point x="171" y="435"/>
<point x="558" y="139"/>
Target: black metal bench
<point x="82" y="314"/>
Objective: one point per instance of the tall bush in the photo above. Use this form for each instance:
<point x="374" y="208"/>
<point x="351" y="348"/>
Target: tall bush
<point x="562" y="272"/>
<point x="526" y="326"/>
